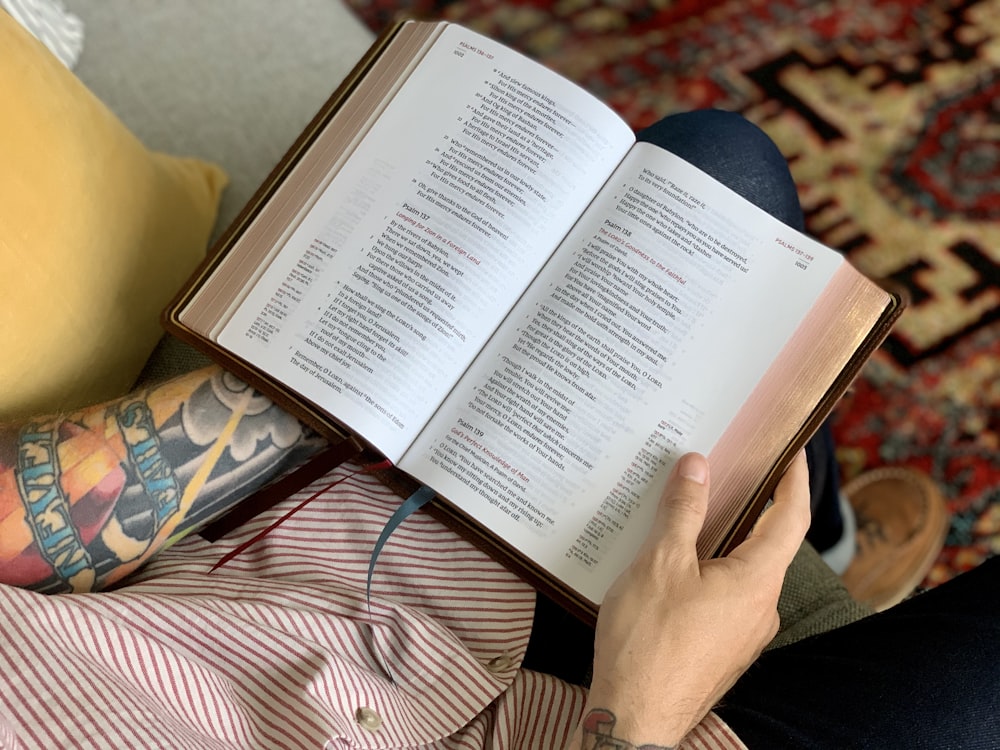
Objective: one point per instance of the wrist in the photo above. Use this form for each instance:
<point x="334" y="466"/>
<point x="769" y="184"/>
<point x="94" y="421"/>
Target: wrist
<point x="627" y="724"/>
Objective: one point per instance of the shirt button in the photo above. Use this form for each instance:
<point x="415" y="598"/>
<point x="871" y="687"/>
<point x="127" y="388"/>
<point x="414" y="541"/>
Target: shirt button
<point x="499" y="663"/>
<point x="368" y="719"/>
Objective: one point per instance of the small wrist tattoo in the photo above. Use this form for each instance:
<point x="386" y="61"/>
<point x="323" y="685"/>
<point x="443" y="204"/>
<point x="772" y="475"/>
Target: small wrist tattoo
<point x="598" y="733"/>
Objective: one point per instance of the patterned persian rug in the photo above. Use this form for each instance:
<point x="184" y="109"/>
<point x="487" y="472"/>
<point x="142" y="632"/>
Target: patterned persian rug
<point x="889" y="113"/>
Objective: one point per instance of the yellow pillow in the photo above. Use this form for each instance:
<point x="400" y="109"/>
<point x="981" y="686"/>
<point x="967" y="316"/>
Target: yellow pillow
<point x="96" y="234"/>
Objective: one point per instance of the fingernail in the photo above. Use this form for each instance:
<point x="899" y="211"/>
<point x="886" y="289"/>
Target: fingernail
<point x="693" y="466"/>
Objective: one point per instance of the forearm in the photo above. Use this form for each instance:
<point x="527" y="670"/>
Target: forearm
<point x="88" y="497"/>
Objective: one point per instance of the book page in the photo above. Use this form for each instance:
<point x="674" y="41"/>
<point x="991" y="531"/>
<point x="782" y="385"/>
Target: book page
<point x="639" y="341"/>
<point x="419" y="246"/>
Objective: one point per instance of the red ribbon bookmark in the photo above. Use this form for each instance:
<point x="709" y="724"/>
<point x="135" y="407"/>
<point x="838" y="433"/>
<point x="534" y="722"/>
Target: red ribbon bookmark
<point x="379" y="466"/>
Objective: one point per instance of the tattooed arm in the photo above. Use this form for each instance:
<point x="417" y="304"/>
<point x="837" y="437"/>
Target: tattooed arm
<point x="675" y="633"/>
<point x="86" y="498"/>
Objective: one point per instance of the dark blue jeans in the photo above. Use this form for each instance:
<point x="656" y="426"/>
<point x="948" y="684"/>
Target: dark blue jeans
<point x="926" y="673"/>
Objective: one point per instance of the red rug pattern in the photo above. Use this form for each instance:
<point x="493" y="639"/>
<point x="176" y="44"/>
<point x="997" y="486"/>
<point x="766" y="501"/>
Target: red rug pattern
<point x="889" y="114"/>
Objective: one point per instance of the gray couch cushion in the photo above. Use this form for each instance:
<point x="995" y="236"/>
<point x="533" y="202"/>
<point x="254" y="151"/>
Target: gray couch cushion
<point x="233" y="81"/>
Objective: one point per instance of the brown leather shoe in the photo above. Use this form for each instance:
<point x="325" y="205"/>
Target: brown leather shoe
<point x="902" y="523"/>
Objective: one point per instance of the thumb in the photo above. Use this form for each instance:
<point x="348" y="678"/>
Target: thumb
<point x="683" y="505"/>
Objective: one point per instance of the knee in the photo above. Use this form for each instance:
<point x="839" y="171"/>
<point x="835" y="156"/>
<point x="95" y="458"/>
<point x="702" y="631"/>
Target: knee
<point x="734" y="151"/>
<point x="704" y="128"/>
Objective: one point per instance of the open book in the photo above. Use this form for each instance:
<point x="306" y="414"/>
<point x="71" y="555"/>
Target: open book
<point x="468" y="262"/>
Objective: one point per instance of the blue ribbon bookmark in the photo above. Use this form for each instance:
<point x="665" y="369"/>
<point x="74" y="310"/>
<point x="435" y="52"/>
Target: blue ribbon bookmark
<point x="408" y="507"/>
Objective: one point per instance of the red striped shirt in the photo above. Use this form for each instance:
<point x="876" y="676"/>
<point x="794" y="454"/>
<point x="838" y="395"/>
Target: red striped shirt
<point x="279" y="648"/>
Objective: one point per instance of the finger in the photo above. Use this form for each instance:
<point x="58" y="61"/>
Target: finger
<point x="683" y="504"/>
<point x="780" y="530"/>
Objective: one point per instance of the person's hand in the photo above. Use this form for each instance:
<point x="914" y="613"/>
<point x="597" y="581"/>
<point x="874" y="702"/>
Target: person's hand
<point x="674" y="633"/>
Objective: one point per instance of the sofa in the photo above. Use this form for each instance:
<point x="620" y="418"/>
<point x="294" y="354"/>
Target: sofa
<point x="233" y="82"/>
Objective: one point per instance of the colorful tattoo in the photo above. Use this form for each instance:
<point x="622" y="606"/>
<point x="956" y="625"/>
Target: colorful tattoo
<point x="598" y="727"/>
<point x="47" y="508"/>
<point x="135" y="420"/>
<point x="86" y="499"/>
